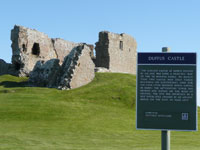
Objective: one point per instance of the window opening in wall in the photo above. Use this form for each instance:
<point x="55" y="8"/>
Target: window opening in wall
<point x="36" y="49"/>
<point x="121" y="45"/>
<point x="24" y="47"/>
<point x="129" y="49"/>
<point x="17" y="65"/>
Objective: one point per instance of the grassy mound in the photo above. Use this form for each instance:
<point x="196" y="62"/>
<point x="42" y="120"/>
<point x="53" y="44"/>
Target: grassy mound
<point x="98" y="116"/>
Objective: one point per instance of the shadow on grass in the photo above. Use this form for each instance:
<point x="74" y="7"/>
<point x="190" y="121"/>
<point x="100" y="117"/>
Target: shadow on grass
<point x="11" y="84"/>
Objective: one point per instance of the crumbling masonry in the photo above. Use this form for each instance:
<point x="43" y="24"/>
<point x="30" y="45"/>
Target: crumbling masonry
<point x="30" y="46"/>
<point x="54" y="62"/>
<point x="76" y="70"/>
<point x="116" y="52"/>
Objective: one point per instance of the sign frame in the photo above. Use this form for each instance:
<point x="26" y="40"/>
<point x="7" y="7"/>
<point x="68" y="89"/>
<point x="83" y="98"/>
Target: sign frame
<point x="167" y="63"/>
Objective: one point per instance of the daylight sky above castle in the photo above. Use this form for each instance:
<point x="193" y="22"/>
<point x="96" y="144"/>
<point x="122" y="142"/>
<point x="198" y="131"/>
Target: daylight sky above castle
<point x="153" y="23"/>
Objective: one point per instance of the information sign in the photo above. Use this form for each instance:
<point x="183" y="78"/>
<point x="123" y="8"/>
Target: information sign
<point x="166" y="91"/>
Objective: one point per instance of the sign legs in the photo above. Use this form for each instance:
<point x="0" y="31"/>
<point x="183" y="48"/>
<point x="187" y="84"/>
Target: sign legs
<point x="165" y="140"/>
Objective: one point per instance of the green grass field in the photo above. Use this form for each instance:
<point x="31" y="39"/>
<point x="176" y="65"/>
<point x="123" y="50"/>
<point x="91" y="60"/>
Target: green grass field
<point x="98" y="116"/>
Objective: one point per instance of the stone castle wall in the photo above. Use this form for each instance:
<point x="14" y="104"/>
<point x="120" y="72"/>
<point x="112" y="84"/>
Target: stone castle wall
<point x="54" y="62"/>
<point x="84" y="62"/>
<point x="76" y="70"/>
<point x="116" y="52"/>
<point x="30" y="46"/>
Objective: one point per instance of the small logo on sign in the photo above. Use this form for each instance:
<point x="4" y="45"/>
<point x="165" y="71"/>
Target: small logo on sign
<point x="184" y="116"/>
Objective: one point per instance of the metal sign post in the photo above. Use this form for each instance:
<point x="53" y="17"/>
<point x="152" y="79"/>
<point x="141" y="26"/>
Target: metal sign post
<point x="165" y="140"/>
<point x="165" y="135"/>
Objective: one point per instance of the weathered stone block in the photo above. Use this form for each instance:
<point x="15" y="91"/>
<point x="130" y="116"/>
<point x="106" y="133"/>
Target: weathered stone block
<point x="45" y="74"/>
<point x="77" y="68"/>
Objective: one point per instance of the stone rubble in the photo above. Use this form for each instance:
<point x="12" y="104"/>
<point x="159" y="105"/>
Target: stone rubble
<point x="101" y="69"/>
<point x="76" y="70"/>
<point x="45" y="74"/>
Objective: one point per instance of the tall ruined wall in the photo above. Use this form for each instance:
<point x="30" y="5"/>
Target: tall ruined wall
<point x="30" y="46"/>
<point x="116" y="52"/>
<point x="102" y="51"/>
<point x="84" y="69"/>
<point x="77" y="68"/>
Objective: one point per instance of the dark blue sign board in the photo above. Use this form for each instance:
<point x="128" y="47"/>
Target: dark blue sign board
<point x="166" y="91"/>
<point x="167" y="58"/>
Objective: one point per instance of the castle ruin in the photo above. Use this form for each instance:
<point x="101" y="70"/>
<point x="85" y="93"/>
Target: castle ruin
<point x="116" y="52"/>
<point x="76" y="70"/>
<point x="30" y="46"/>
<point x="54" y="62"/>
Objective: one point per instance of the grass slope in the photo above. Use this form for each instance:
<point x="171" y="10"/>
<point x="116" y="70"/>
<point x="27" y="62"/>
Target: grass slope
<point x="98" y="116"/>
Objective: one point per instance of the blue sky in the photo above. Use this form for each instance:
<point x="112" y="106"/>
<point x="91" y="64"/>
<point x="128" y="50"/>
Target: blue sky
<point x="153" y="23"/>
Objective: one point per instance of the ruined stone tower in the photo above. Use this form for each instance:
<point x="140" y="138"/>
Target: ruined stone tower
<point x="30" y="46"/>
<point x="116" y="52"/>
